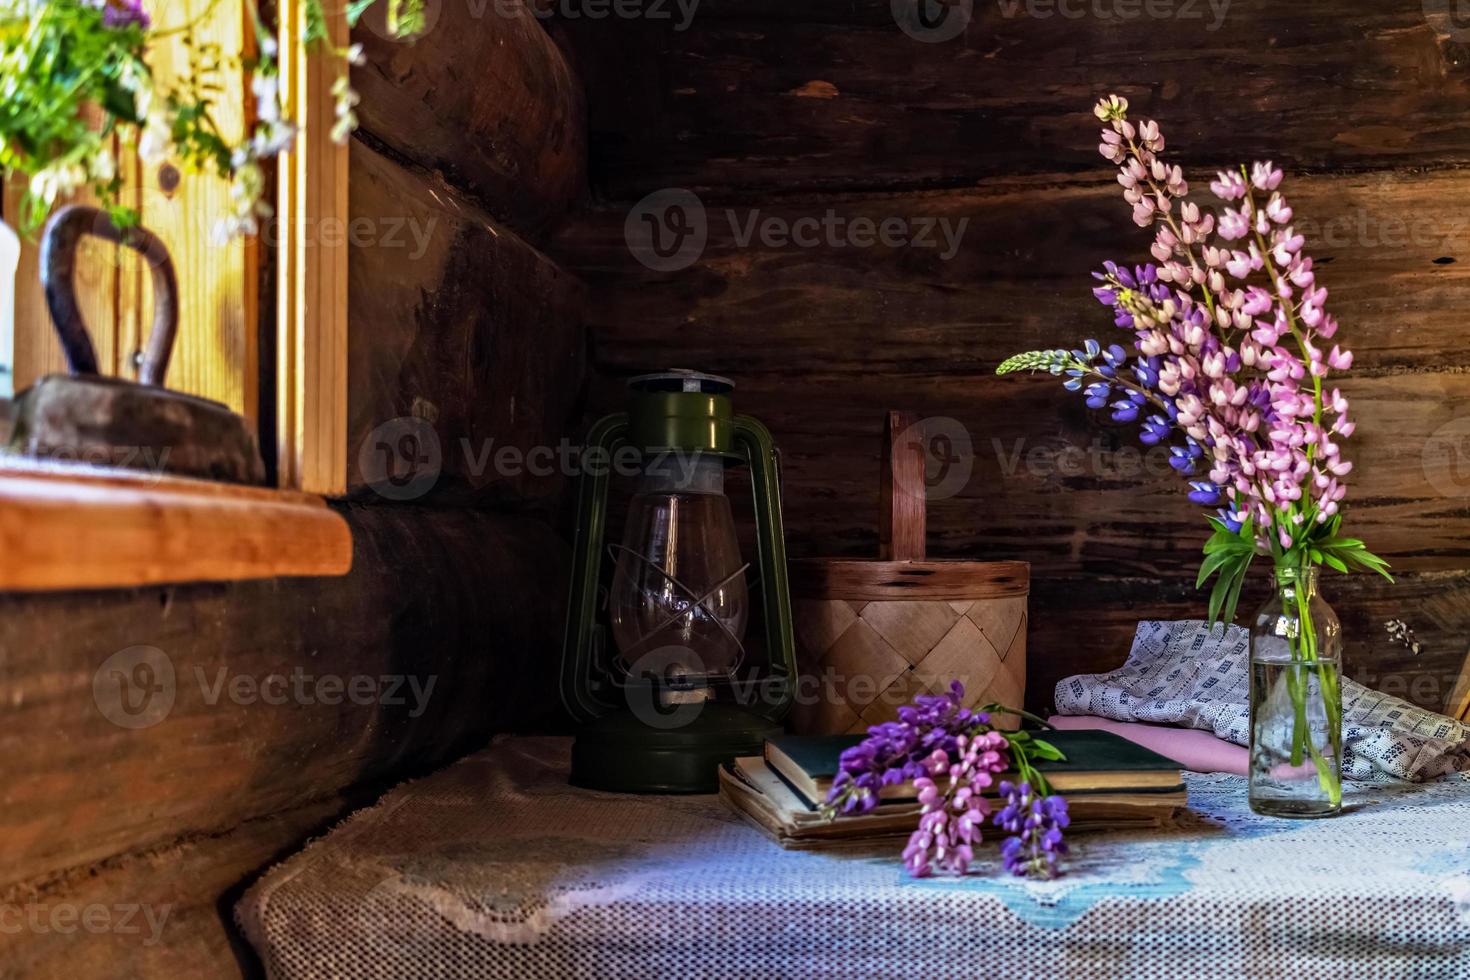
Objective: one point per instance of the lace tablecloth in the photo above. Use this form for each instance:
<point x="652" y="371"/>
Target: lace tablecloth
<point x="496" y="868"/>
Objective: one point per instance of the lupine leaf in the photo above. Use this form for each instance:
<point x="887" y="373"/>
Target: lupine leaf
<point x="1211" y="565"/>
<point x="1045" y="750"/>
<point x="1233" y="599"/>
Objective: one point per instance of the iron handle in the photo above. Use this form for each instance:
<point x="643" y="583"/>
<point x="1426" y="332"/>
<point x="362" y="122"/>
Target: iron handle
<point x="58" y="266"/>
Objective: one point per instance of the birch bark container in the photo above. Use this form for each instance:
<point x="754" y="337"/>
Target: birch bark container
<point x="870" y="635"/>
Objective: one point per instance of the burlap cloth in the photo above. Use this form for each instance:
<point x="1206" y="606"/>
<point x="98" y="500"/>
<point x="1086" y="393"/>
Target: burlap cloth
<point x="495" y="868"/>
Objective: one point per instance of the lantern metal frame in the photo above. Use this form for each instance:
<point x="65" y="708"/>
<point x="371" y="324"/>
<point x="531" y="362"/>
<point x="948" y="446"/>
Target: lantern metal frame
<point x="618" y="747"/>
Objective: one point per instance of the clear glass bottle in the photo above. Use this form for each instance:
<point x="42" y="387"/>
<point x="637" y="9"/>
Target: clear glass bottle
<point x="1296" y="700"/>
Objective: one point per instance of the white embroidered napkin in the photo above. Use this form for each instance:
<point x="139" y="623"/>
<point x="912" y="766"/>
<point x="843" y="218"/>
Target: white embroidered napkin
<point x="1182" y="673"/>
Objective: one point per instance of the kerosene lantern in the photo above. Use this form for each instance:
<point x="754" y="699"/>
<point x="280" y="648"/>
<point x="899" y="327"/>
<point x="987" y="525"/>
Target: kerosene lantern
<point x="655" y="666"/>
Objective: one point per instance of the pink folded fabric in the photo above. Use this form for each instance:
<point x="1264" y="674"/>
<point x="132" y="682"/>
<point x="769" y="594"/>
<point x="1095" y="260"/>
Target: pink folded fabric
<point x="1193" y="749"/>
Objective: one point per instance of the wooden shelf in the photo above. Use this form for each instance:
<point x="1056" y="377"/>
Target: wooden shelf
<point x="79" y="527"/>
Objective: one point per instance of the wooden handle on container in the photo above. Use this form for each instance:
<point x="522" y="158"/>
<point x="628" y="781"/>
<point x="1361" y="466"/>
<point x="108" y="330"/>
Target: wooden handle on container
<point x="901" y="524"/>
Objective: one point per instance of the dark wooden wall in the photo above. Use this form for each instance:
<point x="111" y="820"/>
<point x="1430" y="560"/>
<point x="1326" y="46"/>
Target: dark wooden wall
<point x="796" y="110"/>
<point x="472" y="149"/>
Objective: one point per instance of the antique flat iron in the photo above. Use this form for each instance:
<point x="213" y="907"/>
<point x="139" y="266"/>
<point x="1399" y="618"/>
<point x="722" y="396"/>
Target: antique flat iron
<point x="87" y="417"/>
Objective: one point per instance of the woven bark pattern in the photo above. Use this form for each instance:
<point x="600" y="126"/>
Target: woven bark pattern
<point x="862" y="661"/>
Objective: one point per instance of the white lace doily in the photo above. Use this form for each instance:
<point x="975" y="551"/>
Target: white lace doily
<point x="496" y="868"/>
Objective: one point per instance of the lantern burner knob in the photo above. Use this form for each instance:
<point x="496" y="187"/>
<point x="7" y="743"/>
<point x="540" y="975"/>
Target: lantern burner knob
<point x="682" y="380"/>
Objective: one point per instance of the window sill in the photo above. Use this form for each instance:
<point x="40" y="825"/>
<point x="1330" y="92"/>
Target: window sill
<point x="68" y="526"/>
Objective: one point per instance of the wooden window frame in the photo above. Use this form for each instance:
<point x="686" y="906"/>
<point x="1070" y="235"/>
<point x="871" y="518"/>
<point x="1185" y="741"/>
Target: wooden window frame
<point x="311" y="402"/>
<point x="68" y="526"/>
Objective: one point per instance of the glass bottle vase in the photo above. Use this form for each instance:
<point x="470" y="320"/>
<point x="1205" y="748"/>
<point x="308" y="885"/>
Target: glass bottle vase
<point x="1296" y="700"/>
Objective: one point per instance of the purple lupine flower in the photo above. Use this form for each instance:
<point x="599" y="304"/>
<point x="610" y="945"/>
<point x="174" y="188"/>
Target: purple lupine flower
<point x="124" y="13"/>
<point x="1203" y="492"/>
<point x="897" y="751"/>
<point x="1265" y="441"/>
<point x="1035" y="824"/>
<point x="1156" y="429"/>
<point x="953" y="757"/>
<point x="953" y="815"/>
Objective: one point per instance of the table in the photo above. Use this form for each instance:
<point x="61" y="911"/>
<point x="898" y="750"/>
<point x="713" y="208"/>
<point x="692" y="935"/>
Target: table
<point x="495" y="867"/>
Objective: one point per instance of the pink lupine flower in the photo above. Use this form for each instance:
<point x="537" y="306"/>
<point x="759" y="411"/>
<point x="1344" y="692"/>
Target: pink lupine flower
<point x="1228" y="186"/>
<point x="1278" y="210"/>
<point x="1235" y="224"/>
<point x="1265" y="177"/>
<point x="1230" y="329"/>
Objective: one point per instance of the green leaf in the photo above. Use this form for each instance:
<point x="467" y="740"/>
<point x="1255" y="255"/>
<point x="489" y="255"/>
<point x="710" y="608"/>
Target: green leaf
<point x="1046" y="750"/>
<point x="1233" y="599"/>
<point x="1225" y="596"/>
<point x="1332" y="561"/>
<point x="1212" y="564"/>
<point x="1217" y="597"/>
<point x="355" y="10"/>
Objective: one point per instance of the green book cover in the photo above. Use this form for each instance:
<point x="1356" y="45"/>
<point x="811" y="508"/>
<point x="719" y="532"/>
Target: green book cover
<point x="1095" y="760"/>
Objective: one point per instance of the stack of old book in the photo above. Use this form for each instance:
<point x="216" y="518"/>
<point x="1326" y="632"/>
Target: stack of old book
<point x="1109" y="782"/>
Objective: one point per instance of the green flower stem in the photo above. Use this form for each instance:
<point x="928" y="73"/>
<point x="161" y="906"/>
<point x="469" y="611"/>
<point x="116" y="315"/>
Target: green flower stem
<point x="1307" y="664"/>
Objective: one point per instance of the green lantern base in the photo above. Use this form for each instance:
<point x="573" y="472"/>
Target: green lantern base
<point x="622" y="753"/>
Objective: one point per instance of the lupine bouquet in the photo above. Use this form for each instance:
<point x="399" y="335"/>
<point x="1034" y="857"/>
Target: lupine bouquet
<point x="953" y="756"/>
<point x="1230" y="348"/>
<point x="1228" y="364"/>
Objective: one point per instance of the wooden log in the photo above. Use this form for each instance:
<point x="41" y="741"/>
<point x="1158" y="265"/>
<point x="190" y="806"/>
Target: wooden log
<point x="160" y="913"/>
<point x="753" y="95"/>
<point x="816" y="337"/>
<point x="1043" y="480"/>
<point x="981" y="274"/>
<point x="135" y="717"/>
<point x="485" y="97"/>
<point x="465" y="344"/>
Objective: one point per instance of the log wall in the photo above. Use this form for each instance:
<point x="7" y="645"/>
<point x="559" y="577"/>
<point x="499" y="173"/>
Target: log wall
<point x="829" y="113"/>
<point x="162" y="747"/>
